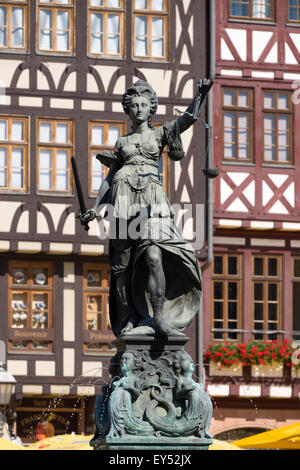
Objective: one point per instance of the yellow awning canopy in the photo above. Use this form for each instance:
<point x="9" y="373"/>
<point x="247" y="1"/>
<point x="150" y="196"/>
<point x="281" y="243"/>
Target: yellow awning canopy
<point x="8" y="445"/>
<point x="287" y="437"/>
<point x="76" y="442"/>
<point x="63" y="442"/>
<point x="223" y="445"/>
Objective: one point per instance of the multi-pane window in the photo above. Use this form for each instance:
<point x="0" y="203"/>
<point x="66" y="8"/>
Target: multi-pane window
<point x="151" y="28"/>
<point x="56" y="26"/>
<point x="54" y="154"/>
<point x="277" y="109"/>
<point x="102" y="136"/>
<point x="237" y="124"/>
<point x="13" y="153"/>
<point x="252" y="9"/>
<point x="95" y="306"/>
<point x="266" y="295"/>
<point x="13" y="24"/>
<point x="106" y="27"/>
<point x="226" y="297"/>
<point x="30" y="305"/>
<point x="294" y="10"/>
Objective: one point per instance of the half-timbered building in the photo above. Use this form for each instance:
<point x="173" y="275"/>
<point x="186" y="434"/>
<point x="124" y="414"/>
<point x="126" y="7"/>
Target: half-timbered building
<point x="254" y="278"/>
<point x="64" y="67"/>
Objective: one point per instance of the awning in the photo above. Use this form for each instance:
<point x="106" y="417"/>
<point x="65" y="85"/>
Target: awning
<point x="63" y="442"/>
<point x="223" y="445"/>
<point x="287" y="437"/>
<point x="77" y="442"/>
<point x="9" y="445"/>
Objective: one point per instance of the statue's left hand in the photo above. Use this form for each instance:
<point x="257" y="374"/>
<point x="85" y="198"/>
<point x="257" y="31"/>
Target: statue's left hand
<point x="203" y="86"/>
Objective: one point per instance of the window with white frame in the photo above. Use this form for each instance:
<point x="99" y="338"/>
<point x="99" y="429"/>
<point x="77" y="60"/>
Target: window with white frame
<point x="55" y="26"/>
<point x="226" y="306"/>
<point x="13" y="24"/>
<point x="106" y="27"/>
<point x="266" y="297"/>
<point x="151" y="29"/>
<point x="55" y="147"/>
<point x="278" y="118"/>
<point x="13" y="153"/>
<point x="237" y="124"/>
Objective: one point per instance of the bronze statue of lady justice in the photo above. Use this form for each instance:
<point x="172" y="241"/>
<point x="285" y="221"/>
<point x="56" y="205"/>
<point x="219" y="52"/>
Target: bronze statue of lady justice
<point x="155" y="283"/>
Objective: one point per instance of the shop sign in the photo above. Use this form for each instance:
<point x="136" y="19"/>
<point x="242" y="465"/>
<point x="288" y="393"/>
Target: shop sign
<point x="30" y="334"/>
<point x="98" y="336"/>
<point x="37" y="425"/>
<point x="50" y="402"/>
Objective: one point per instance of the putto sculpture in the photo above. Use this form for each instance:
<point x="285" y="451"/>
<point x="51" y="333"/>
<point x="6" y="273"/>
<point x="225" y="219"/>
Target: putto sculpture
<point x="133" y="404"/>
<point x="155" y="289"/>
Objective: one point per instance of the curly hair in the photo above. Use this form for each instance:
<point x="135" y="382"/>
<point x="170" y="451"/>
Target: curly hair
<point x="140" y="88"/>
<point x="180" y="356"/>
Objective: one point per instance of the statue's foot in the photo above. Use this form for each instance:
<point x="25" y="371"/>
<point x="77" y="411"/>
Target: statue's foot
<point x="130" y="325"/>
<point x="145" y="322"/>
<point x="163" y="328"/>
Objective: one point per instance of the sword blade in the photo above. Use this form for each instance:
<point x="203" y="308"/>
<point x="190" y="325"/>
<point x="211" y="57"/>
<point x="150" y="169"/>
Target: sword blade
<point x="79" y="190"/>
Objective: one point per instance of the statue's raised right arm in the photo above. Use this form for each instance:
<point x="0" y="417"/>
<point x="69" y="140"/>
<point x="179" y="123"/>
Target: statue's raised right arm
<point x="192" y="113"/>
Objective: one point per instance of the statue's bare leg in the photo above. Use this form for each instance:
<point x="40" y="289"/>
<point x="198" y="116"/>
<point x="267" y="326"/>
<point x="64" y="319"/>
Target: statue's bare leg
<point x="156" y="288"/>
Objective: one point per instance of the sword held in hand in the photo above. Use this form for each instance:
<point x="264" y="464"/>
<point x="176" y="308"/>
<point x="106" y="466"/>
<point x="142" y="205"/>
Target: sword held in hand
<point x="79" y="193"/>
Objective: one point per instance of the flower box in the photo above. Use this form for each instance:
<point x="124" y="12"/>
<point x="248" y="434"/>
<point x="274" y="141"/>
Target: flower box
<point x="236" y="370"/>
<point x="275" y="369"/>
<point x="229" y="358"/>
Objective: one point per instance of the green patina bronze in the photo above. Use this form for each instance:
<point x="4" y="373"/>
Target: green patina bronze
<point x="155" y="291"/>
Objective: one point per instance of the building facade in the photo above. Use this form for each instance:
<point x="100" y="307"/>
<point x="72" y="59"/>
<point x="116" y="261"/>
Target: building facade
<point x="254" y="279"/>
<point x="65" y="65"/>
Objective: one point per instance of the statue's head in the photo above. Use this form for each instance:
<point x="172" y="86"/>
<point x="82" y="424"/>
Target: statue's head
<point x="140" y="93"/>
<point x="130" y="361"/>
<point x="183" y="362"/>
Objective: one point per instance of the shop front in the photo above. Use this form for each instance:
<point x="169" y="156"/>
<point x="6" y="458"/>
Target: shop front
<point x="47" y="416"/>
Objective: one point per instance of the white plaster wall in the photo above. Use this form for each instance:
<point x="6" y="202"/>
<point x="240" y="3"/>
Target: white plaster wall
<point x="23" y="224"/>
<point x="70" y="84"/>
<point x="7" y="212"/>
<point x="68" y="362"/>
<point x="159" y="79"/>
<point x="42" y="224"/>
<point x="42" y="82"/>
<point x="69" y="272"/>
<point x="92" y="86"/>
<point x="45" y="368"/>
<point x="260" y="40"/>
<point x="69" y="315"/>
<point x="106" y="74"/>
<point x="56" y="211"/>
<point x="23" y="81"/>
<point x="69" y="226"/>
<point x="56" y="70"/>
<point x="8" y="68"/>
<point x="17" y="367"/>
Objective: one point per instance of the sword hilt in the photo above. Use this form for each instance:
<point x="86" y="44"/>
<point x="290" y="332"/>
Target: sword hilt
<point x="85" y="224"/>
